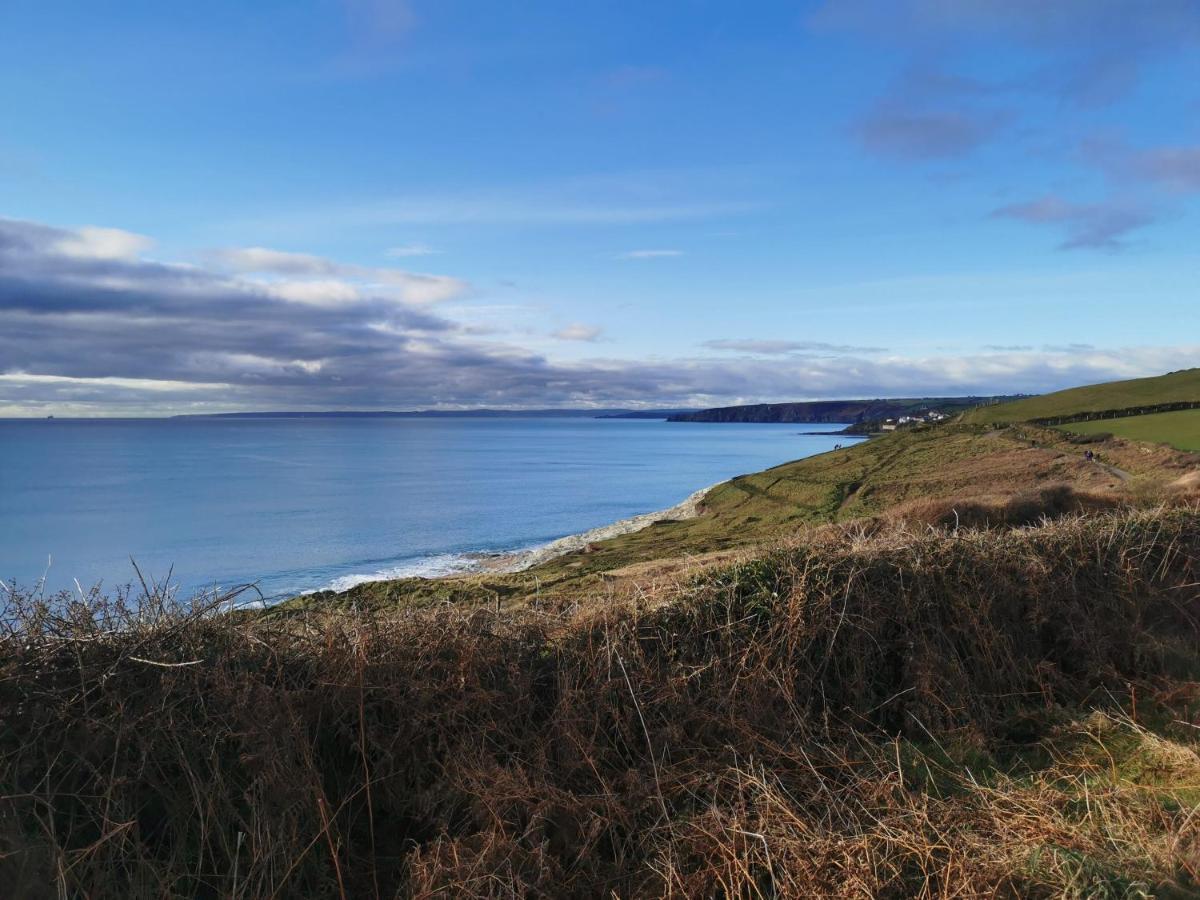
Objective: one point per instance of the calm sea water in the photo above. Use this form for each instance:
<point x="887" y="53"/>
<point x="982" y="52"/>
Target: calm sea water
<point x="302" y="504"/>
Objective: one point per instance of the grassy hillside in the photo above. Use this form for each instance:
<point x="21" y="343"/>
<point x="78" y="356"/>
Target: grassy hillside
<point x="846" y="411"/>
<point x="999" y="713"/>
<point x="1179" y="429"/>
<point x="950" y="473"/>
<point x="1183" y="386"/>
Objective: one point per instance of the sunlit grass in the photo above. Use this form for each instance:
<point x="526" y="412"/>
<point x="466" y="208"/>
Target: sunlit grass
<point x="1180" y="429"/>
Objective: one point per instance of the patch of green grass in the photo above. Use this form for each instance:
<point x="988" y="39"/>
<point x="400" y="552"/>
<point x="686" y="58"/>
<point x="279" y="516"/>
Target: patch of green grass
<point x="1179" y="429"/>
<point x="1175" y="387"/>
<point x="857" y="481"/>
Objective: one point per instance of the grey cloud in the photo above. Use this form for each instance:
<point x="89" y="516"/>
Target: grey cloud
<point x="1089" y="29"/>
<point x="485" y="378"/>
<point x="634" y="76"/>
<point x="1174" y="168"/>
<point x="891" y="129"/>
<point x="1100" y="226"/>
<point x="96" y="318"/>
<point x="1086" y="52"/>
<point x="1092" y="81"/>
<point x="379" y="21"/>
<point x="931" y="113"/>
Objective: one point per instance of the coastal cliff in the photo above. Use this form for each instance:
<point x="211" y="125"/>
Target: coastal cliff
<point x="842" y="411"/>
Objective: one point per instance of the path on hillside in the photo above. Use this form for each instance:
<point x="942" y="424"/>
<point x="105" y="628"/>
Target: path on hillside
<point x="1120" y="474"/>
<point x="1114" y="471"/>
<point x="853" y="487"/>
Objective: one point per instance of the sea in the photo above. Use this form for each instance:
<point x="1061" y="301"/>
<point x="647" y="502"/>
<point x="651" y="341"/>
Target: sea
<point x="303" y="504"/>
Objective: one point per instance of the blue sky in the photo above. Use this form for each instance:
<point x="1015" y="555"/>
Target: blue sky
<point x="387" y="204"/>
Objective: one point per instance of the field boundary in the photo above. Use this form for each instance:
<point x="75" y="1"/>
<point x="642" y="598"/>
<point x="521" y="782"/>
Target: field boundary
<point x="1123" y="413"/>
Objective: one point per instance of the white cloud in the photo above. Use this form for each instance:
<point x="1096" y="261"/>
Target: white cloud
<point x="533" y="212"/>
<point x="254" y="362"/>
<point x="649" y="254"/>
<point x="591" y="200"/>
<point x="406" y="250"/>
<point x="416" y="288"/>
<point x="263" y="259"/>
<point x="19" y="379"/>
<point x="90" y="242"/>
<point x="332" y="282"/>
<point x="328" y="292"/>
<point x="577" y="331"/>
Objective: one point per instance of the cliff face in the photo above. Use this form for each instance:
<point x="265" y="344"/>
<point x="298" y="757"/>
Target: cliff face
<point x="847" y="411"/>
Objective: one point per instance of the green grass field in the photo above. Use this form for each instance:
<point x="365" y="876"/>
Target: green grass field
<point x="1179" y="429"/>
<point x="1172" y="388"/>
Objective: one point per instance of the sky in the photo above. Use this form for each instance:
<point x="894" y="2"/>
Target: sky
<point x="399" y="204"/>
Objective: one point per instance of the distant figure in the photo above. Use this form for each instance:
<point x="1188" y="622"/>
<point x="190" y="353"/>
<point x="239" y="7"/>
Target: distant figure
<point x="1089" y="455"/>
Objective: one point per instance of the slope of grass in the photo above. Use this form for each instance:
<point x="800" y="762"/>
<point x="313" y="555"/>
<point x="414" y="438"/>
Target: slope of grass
<point x="1179" y="429"/>
<point x="1003" y="713"/>
<point x="1183" y="386"/>
<point x="930" y="474"/>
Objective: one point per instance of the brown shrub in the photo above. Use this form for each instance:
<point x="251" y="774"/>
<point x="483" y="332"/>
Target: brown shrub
<point x="1003" y="511"/>
<point x="754" y="739"/>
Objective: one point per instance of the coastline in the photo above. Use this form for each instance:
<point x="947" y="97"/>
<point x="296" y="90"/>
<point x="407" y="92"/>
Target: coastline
<point x="511" y="561"/>
<point x="520" y="560"/>
<point x="507" y="562"/>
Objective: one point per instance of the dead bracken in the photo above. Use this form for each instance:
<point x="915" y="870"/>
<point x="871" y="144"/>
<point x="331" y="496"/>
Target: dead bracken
<point x="873" y="712"/>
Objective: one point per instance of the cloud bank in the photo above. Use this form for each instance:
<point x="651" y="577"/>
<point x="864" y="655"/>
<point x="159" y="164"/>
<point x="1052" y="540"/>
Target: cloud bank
<point x="1102" y="226"/>
<point x="90" y="326"/>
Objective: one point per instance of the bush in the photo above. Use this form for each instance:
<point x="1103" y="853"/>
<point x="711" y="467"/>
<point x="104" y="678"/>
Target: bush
<point x="1098" y="437"/>
<point x="1026" y="508"/>
<point x="761" y="735"/>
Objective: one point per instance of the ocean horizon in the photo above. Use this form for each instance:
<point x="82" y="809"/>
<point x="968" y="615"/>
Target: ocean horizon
<point x="295" y="505"/>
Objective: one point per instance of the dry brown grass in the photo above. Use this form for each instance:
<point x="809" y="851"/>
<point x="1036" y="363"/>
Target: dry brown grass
<point x="1023" y="508"/>
<point x="857" y="716"/>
